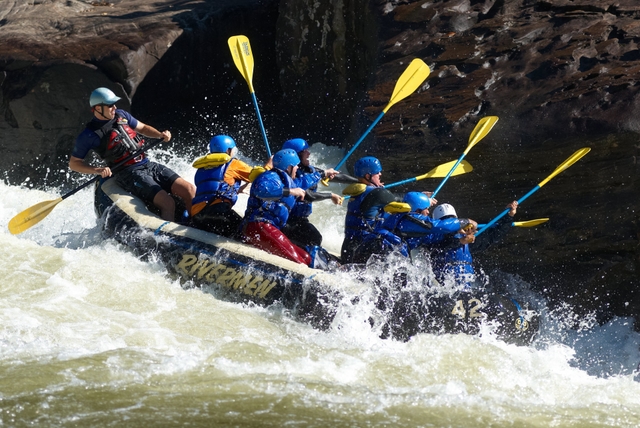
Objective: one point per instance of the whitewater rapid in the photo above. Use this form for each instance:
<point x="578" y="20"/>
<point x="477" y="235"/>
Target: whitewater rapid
<point x="93" y="336"/>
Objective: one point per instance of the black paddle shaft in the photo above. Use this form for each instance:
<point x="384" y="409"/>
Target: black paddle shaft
<point x="115" y="168"/>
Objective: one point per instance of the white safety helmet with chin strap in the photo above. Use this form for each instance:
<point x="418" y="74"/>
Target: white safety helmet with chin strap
<point x="103" y="97"/>
<point x="444" y="210"/>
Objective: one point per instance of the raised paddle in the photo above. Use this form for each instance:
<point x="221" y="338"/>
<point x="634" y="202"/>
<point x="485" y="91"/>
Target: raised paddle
<point x="411" y="78"/>
<point x="437" y="172"/>
<point x="243" y="59"/>
<point x="479" y="132"/>
<point x="564" y="165"/>
<point x="33" y="215"/>
<point x="526" y="223"/>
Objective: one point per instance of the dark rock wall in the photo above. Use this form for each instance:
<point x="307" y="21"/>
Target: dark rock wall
<point x="560" y="74"/>
<point x="197" y="89"/>
<point x="326" y="54"/>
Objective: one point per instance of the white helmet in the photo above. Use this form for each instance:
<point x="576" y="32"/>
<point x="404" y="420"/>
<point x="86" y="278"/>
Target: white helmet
<point x="103" y="97"/>
<point x="444" y="210"/>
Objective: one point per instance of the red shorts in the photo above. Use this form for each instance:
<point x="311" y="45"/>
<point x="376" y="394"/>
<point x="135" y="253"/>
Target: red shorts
<point x="269" y="238"/>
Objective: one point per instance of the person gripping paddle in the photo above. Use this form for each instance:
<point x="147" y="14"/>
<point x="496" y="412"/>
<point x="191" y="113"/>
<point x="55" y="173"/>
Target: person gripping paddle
<point x="114" y="134"/>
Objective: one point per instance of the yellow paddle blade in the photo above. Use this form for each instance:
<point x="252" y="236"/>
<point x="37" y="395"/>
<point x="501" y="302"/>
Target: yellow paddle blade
<point x="530" y="223"/>
<point x="480" y="131"/>
<point x="443" y="170"/>
<point x="413" y="76"/>
<point x="566" y="164"/>
<point x="242" y="57"/>
<point x="32" y="216"/>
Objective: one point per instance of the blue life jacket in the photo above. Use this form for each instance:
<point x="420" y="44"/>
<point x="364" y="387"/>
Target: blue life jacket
<point x="303" y="208"/>
<point x="420" y="230"/>
<point x="407" y="231"/>
<point x="382" y="242"/>
<point x="357" y="222"/>
<point x="210" y="185"/>
<point x="266" y="201"/>
<point x="456" y="261"/>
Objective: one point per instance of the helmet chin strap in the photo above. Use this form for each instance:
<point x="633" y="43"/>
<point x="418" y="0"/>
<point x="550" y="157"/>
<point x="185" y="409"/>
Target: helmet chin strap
<point x="101" y="112"/>
<point x="371" y="182"/>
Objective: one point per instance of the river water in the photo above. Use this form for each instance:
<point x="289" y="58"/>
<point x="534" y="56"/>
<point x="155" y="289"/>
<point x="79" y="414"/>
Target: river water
<point x="93" y="336"/>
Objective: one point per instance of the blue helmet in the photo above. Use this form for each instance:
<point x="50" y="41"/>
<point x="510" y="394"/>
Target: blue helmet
<point x="285" y="158"/>
<point x="221" y="143"/>
<point x="417" y="200"/>
<point x="297" y="144"/>
<point x="367" y="165"/>
<point x="103" y="97"/>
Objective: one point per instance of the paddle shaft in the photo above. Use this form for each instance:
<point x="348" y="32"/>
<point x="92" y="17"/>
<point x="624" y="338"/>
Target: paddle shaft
<point x="564" y="165"/>
<point x="444" y="180"/>
<point x="503" y="213"/>
<point x="386" y="186"/>
<point x="355" y="146"/>
<point x="459" y="168"/>
<point x="264" y="132"/>
<point x="399" y="183"/>
<point x="435" y="172"/>
<point x="115" y="168"/>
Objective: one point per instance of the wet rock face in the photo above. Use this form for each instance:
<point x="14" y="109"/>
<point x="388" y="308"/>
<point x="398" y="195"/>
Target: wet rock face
<point x="559" y="74"/>
<point x="569" y="67"/>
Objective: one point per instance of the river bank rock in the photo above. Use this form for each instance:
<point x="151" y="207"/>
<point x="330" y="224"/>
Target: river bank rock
<point x="560" y="75"/>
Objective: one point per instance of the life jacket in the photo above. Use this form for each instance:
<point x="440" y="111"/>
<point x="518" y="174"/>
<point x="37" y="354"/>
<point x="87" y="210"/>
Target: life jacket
<point x="455" y="261"/>
<point x="117" y="141"/>
<point x="274" y="211"/>
<point x="211" y="187"/>
<point x="414" y="224"/>
<point x="380" y="242"/>
<point x="419" y="230"/>
<point x="303" y="208"/>
<point x="409" y="227"/>
<point x="356" y="222"/>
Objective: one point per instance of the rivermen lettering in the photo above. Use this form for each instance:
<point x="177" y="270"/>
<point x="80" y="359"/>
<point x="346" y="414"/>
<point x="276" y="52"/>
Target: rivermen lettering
<point x="202" y="268"/>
